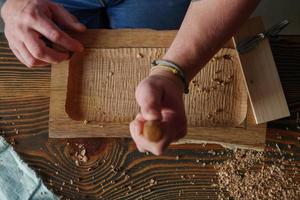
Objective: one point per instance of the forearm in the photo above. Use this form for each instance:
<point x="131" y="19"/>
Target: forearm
<point x="208" y="24"/>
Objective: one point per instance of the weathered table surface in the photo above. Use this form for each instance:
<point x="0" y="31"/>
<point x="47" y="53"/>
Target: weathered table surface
<point x="115" y="169"/>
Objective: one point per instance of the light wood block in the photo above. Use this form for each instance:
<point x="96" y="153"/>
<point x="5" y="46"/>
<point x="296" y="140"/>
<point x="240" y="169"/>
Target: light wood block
<point x="262" y="80"/>
<point x="98" y="85"/>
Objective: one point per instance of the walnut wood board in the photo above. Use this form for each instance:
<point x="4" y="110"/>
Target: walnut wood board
<point x="263" y="83"/>
<point x="98" y="86"/>
<point x="24" y="105"/>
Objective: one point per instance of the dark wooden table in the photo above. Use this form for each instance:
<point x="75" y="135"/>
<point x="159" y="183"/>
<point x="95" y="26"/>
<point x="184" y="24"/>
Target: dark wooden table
<point x="115" y="169"/>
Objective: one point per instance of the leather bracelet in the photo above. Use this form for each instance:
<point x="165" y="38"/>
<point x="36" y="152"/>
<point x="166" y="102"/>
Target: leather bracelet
<point x="174" y="68"/>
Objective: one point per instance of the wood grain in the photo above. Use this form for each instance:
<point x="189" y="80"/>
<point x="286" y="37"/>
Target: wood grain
<point x="260" y="73"/>
<point x="124" y="38"/>
<point x="16" y="79"/>
<point x="102" y="83"/>
<point x="98" y="86"/>
<point x="96" y="179"/>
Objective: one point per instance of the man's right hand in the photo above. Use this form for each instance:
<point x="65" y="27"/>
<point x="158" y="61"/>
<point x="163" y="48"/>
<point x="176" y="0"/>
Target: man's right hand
<point x="27" y="21"/>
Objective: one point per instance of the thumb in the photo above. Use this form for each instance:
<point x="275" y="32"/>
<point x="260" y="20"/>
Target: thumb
<point x="66" y="19"/>
<point x="149" y="98"/>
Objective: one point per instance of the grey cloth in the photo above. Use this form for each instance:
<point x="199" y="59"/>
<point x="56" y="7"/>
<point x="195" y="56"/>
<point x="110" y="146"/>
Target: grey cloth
<point x="17" y="180"/>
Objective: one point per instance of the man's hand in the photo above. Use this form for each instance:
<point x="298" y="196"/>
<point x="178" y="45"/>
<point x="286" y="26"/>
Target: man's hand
<point x="27" y="21"/>
<point x="160" y="97"/>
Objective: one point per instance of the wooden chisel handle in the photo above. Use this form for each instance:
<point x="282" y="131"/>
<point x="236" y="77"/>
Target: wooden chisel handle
<point x="152" y="131"/>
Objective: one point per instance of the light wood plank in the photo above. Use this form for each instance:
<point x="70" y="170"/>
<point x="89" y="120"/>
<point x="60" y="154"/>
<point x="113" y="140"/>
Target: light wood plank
<point x="129" y="38"/>
<point x="261" y="76"/>
<point x="70" y="105"/>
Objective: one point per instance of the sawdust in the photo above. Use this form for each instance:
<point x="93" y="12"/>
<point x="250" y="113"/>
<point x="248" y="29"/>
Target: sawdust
<point x="80" y="155"/>
<point x="249" y="176"/>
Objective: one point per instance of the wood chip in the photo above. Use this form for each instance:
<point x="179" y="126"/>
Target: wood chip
<point x="249" y="176"/>
<point x="153" y="182"/>
<point x="279" y="150"/>
<point x="84" y="159"/>
<point x="82" y="153"/>
<point x="227" y="57"/>
<point x="12" y="141"/>
<point x="139" y="55"/>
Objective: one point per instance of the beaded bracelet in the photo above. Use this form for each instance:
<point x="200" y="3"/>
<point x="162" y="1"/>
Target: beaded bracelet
<point x="173" y="68"/>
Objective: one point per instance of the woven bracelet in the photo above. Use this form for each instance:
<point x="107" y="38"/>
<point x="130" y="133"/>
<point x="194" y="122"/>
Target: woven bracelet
<point x="176" y="70"/>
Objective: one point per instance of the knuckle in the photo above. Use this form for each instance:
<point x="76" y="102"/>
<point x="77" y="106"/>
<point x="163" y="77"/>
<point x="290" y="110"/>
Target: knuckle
<point x="29" y="66"/>
<point x="20" y="26"/>
<point x="38" y="52"/>
<point x="157" y="151"/>
<point x="30" y="16"/>
<point x="55" y="35"/>
<point x="32" y="62"/>
<point x="27" y="19"/>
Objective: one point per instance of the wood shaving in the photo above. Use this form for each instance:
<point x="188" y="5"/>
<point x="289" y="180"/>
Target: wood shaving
<point x="139" y="55"/>
<point x="80" y="155"/>
<point x="12" y="141"/>
<point x="152" y="182"/>
<point x="279" y="150"/>
<point x="83" y="151"/>
<point x="227" y="57"/>
<point x="248" y="176"/>
<point x="110" y="74"/>
<point x="129" y="188"/>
